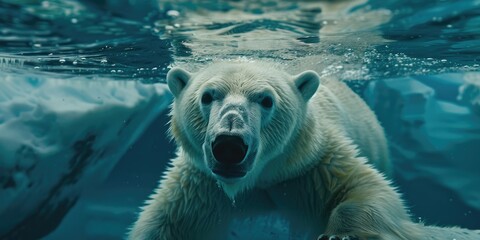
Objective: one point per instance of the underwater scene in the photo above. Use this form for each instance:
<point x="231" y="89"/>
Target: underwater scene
<point x="85" y="132"/>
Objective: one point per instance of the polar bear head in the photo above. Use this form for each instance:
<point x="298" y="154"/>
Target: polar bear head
<point x="233" y="118"/>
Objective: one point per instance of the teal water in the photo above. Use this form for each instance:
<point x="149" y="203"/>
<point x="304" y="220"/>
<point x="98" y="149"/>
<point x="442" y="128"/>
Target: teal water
<point x="138" y="40"/>
<point x="436" y="43"/>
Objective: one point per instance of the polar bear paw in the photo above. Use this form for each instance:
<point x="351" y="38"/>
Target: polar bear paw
<point x="336" y="237"/>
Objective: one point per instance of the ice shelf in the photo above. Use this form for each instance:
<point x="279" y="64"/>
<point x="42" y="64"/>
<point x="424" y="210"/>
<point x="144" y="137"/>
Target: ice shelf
<point x="435" y="137"/>
<point x="59" y="138"/>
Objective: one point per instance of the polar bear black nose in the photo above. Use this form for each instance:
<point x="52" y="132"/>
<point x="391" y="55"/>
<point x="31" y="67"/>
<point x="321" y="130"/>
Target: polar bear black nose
<point x="232" y="121"/>
<point x="229" y="149"/>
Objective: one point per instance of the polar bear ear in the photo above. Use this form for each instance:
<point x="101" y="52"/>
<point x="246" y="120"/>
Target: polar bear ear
<point x="307" y="83"/>
<point x="177" y="79"/>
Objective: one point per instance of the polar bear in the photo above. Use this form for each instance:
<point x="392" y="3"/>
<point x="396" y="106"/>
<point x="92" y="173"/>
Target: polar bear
<point x="250" y="132"/>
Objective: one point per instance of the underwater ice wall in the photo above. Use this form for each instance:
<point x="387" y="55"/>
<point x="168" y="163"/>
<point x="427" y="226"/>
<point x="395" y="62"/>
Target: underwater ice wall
<point x="470" y="91"/>
<point x="59" y="138"/>
<point x="433" y="125"/>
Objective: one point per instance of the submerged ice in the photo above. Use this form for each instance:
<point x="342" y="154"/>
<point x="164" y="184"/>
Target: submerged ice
<point x="58" y="138"/>
<point x="469" y="92"/>
<point x="433" y="124"/>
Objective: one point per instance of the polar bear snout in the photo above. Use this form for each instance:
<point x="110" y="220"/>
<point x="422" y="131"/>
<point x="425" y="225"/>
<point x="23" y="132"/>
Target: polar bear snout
<point x="232" y="121"/>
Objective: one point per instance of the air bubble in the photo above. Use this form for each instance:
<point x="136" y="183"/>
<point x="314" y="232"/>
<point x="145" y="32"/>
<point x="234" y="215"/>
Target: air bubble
<point x="173" y="13"/>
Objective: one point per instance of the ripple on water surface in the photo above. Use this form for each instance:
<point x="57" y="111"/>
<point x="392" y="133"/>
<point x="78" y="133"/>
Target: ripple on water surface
<point x="355" y="39"/>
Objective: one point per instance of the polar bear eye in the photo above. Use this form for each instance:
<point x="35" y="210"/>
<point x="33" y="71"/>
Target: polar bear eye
<point x="267" y="102"/>
<point x="207" y="98"/>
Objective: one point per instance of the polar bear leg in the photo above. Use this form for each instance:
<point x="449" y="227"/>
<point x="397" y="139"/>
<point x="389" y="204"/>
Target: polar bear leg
<point x="369" y="208"/>
<point x="361" y="221"/>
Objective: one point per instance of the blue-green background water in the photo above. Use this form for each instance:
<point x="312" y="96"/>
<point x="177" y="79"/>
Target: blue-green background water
<point x="434" y="42"/>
